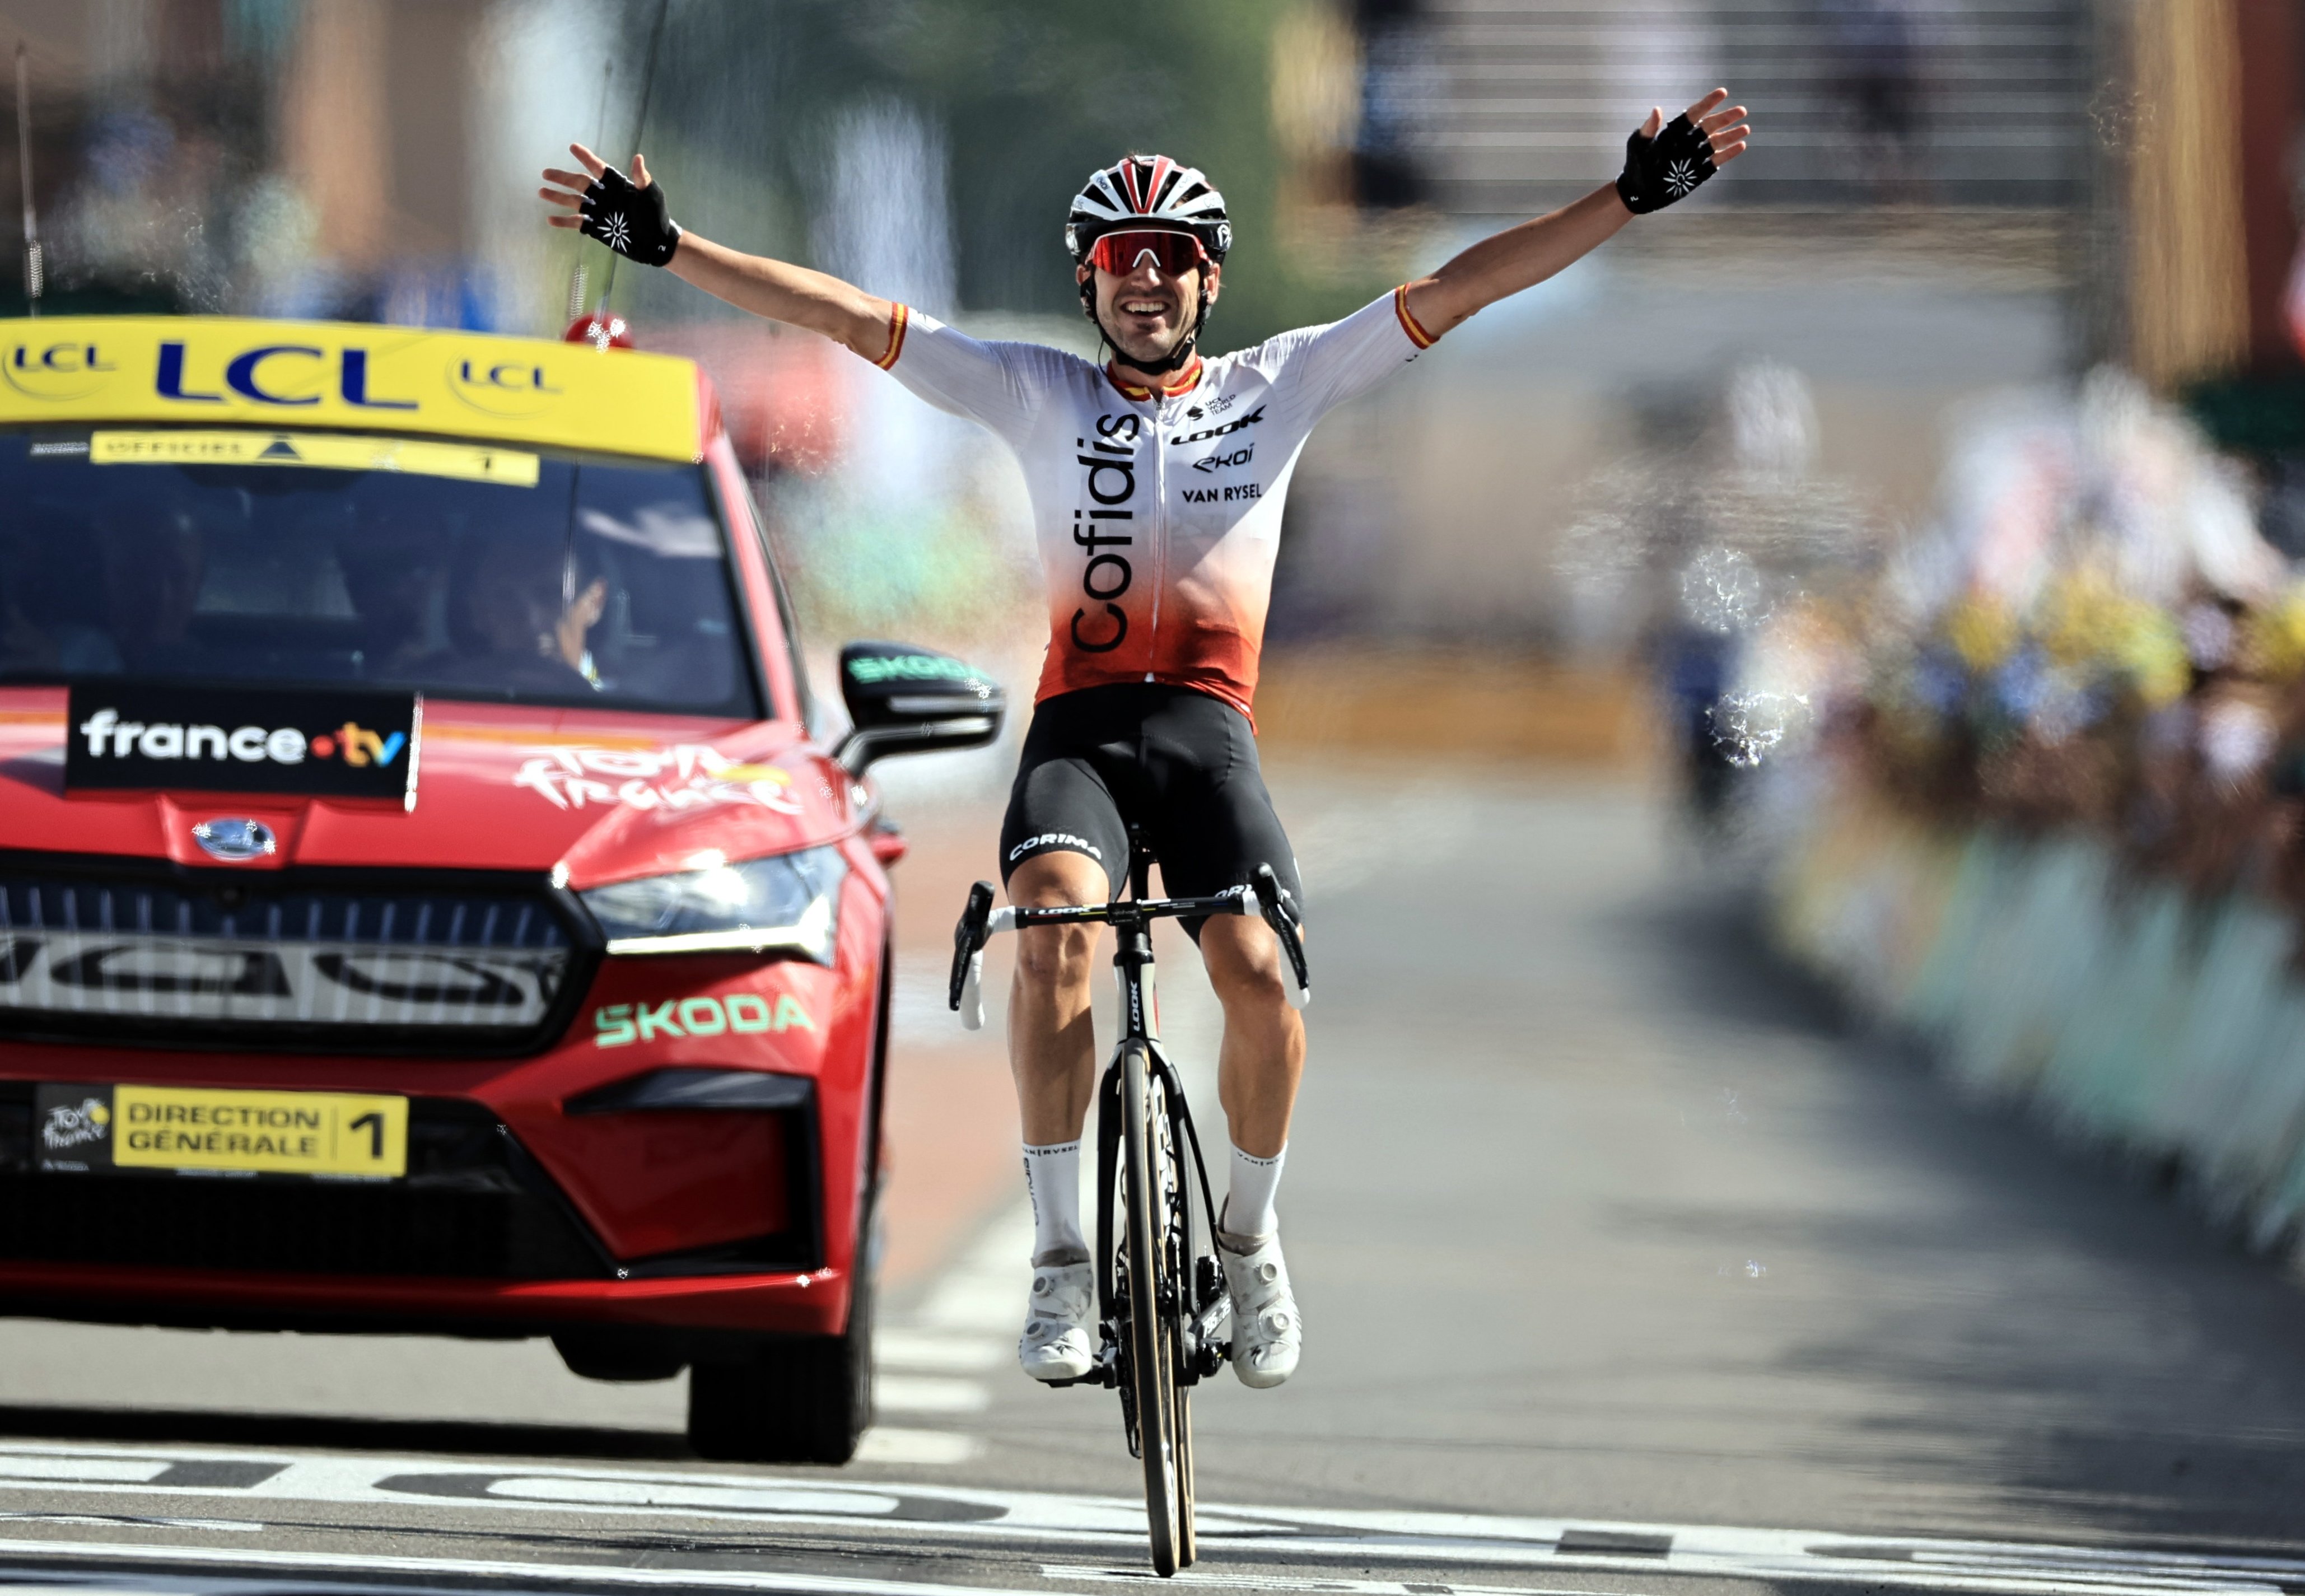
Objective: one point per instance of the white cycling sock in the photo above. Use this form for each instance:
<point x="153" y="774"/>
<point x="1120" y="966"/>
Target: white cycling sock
<point x="1248" y="1206"/>
<point x="1052" y="1175"/>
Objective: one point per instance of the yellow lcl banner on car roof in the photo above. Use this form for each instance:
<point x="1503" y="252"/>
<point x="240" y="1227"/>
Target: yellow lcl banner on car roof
<point x="213" y="370"/>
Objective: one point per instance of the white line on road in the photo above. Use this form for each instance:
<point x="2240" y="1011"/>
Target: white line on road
<point x="929" y="1394"/>
<point x="960" y="1329"/>
<point x="1277" y="1534"/>
<point x="985" y="1293"/>
<point x="19" y="1467"/>
<point x="469" y="1568"/>
<point x="1282" y="1581"/>
<point x="886" y="1447"/>
<point x="924" y="1352"/>
<point x="110" y="1521"/>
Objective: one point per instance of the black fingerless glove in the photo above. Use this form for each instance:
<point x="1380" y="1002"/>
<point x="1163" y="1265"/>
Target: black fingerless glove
<point x="633" y="222"/>
<point x="1668" y="167"/>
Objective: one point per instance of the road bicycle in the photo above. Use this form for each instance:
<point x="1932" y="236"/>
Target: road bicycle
<point x="1161" y="1300"/>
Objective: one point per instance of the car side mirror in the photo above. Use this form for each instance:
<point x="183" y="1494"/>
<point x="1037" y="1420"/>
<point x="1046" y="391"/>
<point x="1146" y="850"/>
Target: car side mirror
<point x="903" y="700"/>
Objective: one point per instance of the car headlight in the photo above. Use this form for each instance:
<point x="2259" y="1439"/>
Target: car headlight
<point x="788" y="901"/>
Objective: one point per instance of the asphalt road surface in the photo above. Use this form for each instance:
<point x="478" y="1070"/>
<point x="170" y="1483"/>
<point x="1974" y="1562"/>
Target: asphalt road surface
<point x="1627" y="1265"/>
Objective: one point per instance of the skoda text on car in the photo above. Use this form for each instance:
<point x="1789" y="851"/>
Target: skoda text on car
<point x="424" y="901"/>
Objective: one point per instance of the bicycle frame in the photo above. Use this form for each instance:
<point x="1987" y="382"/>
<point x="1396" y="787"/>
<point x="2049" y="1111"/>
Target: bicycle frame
<point x="1131" y="919"/>
<point x="1159" y="1340"/>
<point x="1133" y="963"/>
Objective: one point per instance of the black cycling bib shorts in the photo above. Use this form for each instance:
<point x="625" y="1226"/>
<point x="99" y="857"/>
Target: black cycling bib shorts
<point x="1177" y="764"/>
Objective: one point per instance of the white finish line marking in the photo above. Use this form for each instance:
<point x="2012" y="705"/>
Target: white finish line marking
<point x="466" y="1568"/>
<point x="1282" y="1581"/>
<point x="15" y="1468"/>
<point x="112" y="1520"/>
<point x="882" y="1510"/>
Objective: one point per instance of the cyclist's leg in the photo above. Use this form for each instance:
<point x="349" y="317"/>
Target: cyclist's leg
<point x="1212" y="826"/>
<point x="1060" y="828"/>
<point x="1216" y="824"/>
<point x="1261" y="1059"/>
<point x="1062" y="842"/>
<point x="1051" y="1045"/>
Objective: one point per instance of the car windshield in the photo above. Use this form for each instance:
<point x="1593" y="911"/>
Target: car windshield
<point x="465" y="572"/>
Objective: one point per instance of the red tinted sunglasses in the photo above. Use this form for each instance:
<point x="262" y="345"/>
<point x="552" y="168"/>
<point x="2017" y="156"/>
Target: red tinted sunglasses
<point x="1174" y="253"/>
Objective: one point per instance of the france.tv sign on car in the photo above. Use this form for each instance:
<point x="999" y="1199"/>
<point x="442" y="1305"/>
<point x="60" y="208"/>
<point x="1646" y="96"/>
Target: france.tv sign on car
<point x="227" y="738"/>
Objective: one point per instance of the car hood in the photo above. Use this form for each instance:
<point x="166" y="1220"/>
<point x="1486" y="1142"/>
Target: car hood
<point x="605" y="796"/>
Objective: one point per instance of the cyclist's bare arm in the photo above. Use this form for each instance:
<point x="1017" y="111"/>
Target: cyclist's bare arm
<point x="817" y="301"/>
<point x="792" y="294"/>
<point x="1504" y="263"/>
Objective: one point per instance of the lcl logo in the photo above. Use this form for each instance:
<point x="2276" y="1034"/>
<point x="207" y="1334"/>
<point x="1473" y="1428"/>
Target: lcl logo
<point x="501" y="387"/>
<point x="68" y="370"/>
<point x="279" y="374"/>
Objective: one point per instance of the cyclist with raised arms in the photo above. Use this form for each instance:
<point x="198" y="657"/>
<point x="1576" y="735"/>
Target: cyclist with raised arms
<point x="1156" y="480"/>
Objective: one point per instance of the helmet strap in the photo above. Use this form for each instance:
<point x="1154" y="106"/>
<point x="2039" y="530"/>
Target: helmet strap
<point x="1171" y="362"/>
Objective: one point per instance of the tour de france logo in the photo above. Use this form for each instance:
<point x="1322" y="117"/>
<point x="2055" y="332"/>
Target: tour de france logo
<point x="71" y="1126"/>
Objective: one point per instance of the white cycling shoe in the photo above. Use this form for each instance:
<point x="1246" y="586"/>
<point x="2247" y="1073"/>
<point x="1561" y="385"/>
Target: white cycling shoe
<point x="1055" y="1345"/>
<point x="1266" y="1333"/>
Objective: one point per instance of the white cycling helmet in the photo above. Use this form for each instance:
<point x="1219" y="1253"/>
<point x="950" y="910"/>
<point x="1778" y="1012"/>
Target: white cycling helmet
<point x="1150" y="190"/>
<point x="1140" y="191"/>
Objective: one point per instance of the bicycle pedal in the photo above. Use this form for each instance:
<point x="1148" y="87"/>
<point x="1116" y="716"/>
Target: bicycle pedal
<point x="1105" y="1371"/>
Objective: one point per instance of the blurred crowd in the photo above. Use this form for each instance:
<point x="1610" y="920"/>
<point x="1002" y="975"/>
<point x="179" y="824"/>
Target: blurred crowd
<point x="2090" y="632"/>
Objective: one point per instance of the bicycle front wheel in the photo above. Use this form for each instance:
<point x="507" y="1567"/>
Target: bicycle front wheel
<point x="1149" y="1182"/>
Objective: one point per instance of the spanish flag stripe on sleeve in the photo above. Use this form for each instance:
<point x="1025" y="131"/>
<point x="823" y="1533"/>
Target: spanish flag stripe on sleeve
<point x="897" y="317"/>
<point x="1416" y="334"/>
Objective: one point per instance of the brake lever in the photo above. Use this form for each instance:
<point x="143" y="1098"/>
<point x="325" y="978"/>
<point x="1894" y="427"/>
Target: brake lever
<point x="966" y="989"/>
<point x="1271" y="901"/>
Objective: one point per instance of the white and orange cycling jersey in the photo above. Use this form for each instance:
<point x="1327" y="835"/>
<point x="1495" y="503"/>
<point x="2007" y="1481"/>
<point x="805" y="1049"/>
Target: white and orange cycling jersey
<point x="1158" y="512"/>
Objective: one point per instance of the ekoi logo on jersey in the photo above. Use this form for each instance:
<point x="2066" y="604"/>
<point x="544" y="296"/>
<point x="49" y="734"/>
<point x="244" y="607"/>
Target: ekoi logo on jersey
<point x="1225" y="461"/>
<point x="1110" y="464"/>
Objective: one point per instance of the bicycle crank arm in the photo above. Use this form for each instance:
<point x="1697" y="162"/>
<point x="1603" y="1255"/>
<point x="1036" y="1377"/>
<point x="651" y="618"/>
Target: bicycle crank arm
<point x="1206" y="1356"/>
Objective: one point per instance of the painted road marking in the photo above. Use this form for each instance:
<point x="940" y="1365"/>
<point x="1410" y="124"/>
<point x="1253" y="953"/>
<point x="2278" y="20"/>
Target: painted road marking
<point x="143" y="1471"/>
<point x="107" y="1521"/>
<point x="1026" y="1518"/>
<point x="924" y="1352"/>
<point x="929" y="1394"/>
<point x="886" y="1447"/>
<point x="470" y="1568"/>
<point x="965" y="1326"/>
<point x="1282" y="1582"/>
<point x="985" y="1293"/>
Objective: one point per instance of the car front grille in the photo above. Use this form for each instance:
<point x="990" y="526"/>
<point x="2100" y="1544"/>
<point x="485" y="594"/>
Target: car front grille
<point x="471" y="1206"/>
<point x="364" y="960"/>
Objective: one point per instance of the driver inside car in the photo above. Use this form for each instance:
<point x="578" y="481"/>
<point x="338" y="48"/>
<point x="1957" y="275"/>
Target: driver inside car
<point x="512" y="625"/>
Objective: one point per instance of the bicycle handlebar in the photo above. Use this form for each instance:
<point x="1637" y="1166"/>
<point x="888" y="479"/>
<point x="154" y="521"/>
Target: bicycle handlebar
<point x="980" y="922"/>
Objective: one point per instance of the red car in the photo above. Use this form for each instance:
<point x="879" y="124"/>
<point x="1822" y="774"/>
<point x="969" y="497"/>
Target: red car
<point x="427" y="901"/>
